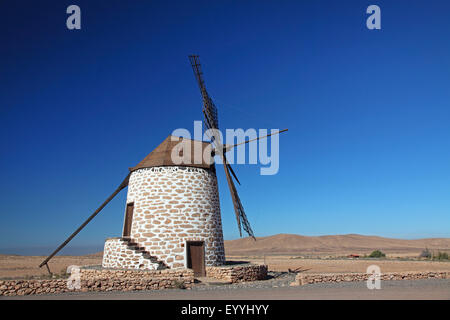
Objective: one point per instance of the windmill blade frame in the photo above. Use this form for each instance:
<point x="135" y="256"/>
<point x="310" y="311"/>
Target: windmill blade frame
<point x="209" y="108"/>
<point x="232" y="172"/>
<point x="211" y="122"/>
<point x="241" y="217"/>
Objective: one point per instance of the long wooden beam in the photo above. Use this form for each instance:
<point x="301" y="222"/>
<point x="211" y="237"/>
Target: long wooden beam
<point x="92" y="216"/>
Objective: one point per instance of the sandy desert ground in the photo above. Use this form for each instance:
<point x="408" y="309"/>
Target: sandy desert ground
<point x="12" y="266"/>
<point x="283" y="263"/>
<point x="280" y="252"/>
<point x="27" y="266"/>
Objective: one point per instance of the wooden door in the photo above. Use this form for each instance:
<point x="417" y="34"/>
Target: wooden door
<point x="196" y="257"/>
<point x="128" y="220"/>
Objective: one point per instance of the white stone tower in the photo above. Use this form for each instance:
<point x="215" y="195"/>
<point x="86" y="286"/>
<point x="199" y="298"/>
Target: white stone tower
<point x="172" y="216"/>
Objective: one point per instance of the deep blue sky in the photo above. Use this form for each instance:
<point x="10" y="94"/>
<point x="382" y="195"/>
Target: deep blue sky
<point x="368" y="112"/>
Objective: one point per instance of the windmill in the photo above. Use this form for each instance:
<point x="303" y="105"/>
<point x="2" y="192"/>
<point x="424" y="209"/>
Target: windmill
<point x="172" y="217"/>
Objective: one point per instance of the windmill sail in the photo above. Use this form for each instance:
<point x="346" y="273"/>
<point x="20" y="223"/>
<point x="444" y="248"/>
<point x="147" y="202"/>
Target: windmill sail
<point x="231" y="170"/>
<point x="241" y="217"/>
<point x="209" y="109"/>
<point x="211" y="122"/>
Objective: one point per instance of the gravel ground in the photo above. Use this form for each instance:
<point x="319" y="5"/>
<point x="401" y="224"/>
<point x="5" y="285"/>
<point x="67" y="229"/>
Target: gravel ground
<point x="277" y="288"/>
<point x="275" y="280"/>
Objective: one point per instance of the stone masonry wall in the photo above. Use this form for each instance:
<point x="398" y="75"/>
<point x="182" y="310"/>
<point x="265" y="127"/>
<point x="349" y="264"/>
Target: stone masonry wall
<point x="243" y="273"/>
<point x="130" y="280"/>
<point x="116" y="254"/>
<point x="173" y="205"/>
<point x="309" y="278"/>
<point x="103" y="280"/>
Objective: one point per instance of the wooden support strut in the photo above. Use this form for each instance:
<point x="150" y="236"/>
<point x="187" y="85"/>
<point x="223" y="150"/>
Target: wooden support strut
<point x="121" y="186"/>
<point x="48" y="269"/>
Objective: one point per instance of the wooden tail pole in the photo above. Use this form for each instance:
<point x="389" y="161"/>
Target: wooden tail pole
<point x="122" y="186"/>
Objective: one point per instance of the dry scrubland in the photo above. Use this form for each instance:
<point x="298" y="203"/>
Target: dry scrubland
<point x="280" y="252"/>
<point x="327" y="254"/>
<point x="334" y="265"/>
<point x="27" y="266"/>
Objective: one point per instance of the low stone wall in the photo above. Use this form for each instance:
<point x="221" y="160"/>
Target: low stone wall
<point x="309" y="278"/>
<point x="238" y="273"/>
<point x="102" y="280"/>
<point x="27" y="287"/>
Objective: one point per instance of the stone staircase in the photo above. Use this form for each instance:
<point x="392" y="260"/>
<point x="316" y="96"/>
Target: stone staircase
<point x="132" y="245"/>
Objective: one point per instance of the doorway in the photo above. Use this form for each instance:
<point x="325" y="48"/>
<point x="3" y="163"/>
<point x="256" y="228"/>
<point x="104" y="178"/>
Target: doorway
<point x="196" y="257"/>
<point x="128" y="220"/>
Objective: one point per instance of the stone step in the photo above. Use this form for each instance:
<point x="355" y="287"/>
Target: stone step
<point x="135" y="247"/>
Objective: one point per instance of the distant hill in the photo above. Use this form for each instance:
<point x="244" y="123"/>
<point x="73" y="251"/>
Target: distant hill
<point x="337" y="244"/>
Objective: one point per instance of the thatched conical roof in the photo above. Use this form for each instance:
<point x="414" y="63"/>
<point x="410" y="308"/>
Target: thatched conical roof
<point x="176" y="151"/>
